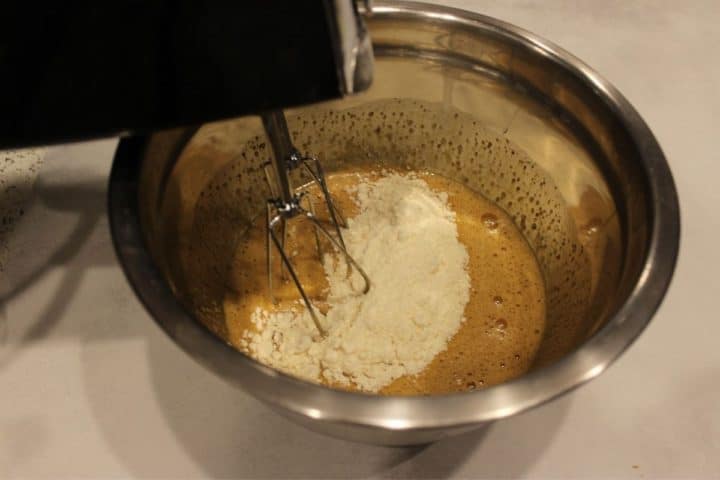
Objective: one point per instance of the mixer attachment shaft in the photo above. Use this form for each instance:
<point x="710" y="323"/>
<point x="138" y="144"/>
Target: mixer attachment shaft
<point x="286" y="205"/>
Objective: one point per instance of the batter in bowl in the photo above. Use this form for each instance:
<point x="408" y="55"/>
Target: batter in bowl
<point x="492" y="338"/>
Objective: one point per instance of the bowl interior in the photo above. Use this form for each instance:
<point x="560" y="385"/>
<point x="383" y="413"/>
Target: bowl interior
<point x="498" y="116"/>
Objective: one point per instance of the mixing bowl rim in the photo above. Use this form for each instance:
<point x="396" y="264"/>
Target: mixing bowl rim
<point x="418" y="413"/>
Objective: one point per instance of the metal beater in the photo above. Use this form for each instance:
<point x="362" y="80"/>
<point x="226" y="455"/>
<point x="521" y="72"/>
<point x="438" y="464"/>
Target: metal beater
<point x="285" y="205"/>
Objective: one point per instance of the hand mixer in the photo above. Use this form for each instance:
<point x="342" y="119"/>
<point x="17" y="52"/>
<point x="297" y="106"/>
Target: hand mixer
<point x="87" y="69"/>
<point x="286" y="204"/>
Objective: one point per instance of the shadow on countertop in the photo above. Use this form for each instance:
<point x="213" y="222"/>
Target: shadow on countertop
<point x="65" y="211"/>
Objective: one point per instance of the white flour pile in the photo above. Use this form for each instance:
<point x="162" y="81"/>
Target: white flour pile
<point x="406" y="239"/>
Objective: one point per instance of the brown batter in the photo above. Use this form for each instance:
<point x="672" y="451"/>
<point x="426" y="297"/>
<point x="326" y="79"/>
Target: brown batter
<point x="505" y="316"/>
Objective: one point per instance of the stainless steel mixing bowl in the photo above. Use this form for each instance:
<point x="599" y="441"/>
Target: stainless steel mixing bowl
<point x="509" y="114"/>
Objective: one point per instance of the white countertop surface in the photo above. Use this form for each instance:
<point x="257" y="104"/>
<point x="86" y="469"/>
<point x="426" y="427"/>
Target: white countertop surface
<point x="92" y="388"/>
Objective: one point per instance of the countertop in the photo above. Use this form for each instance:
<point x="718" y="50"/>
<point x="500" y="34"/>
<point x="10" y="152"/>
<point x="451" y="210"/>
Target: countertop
<point x="92" y="388"/>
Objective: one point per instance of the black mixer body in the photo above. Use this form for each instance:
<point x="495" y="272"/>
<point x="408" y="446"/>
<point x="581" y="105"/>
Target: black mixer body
<point x="82" y="69"/>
